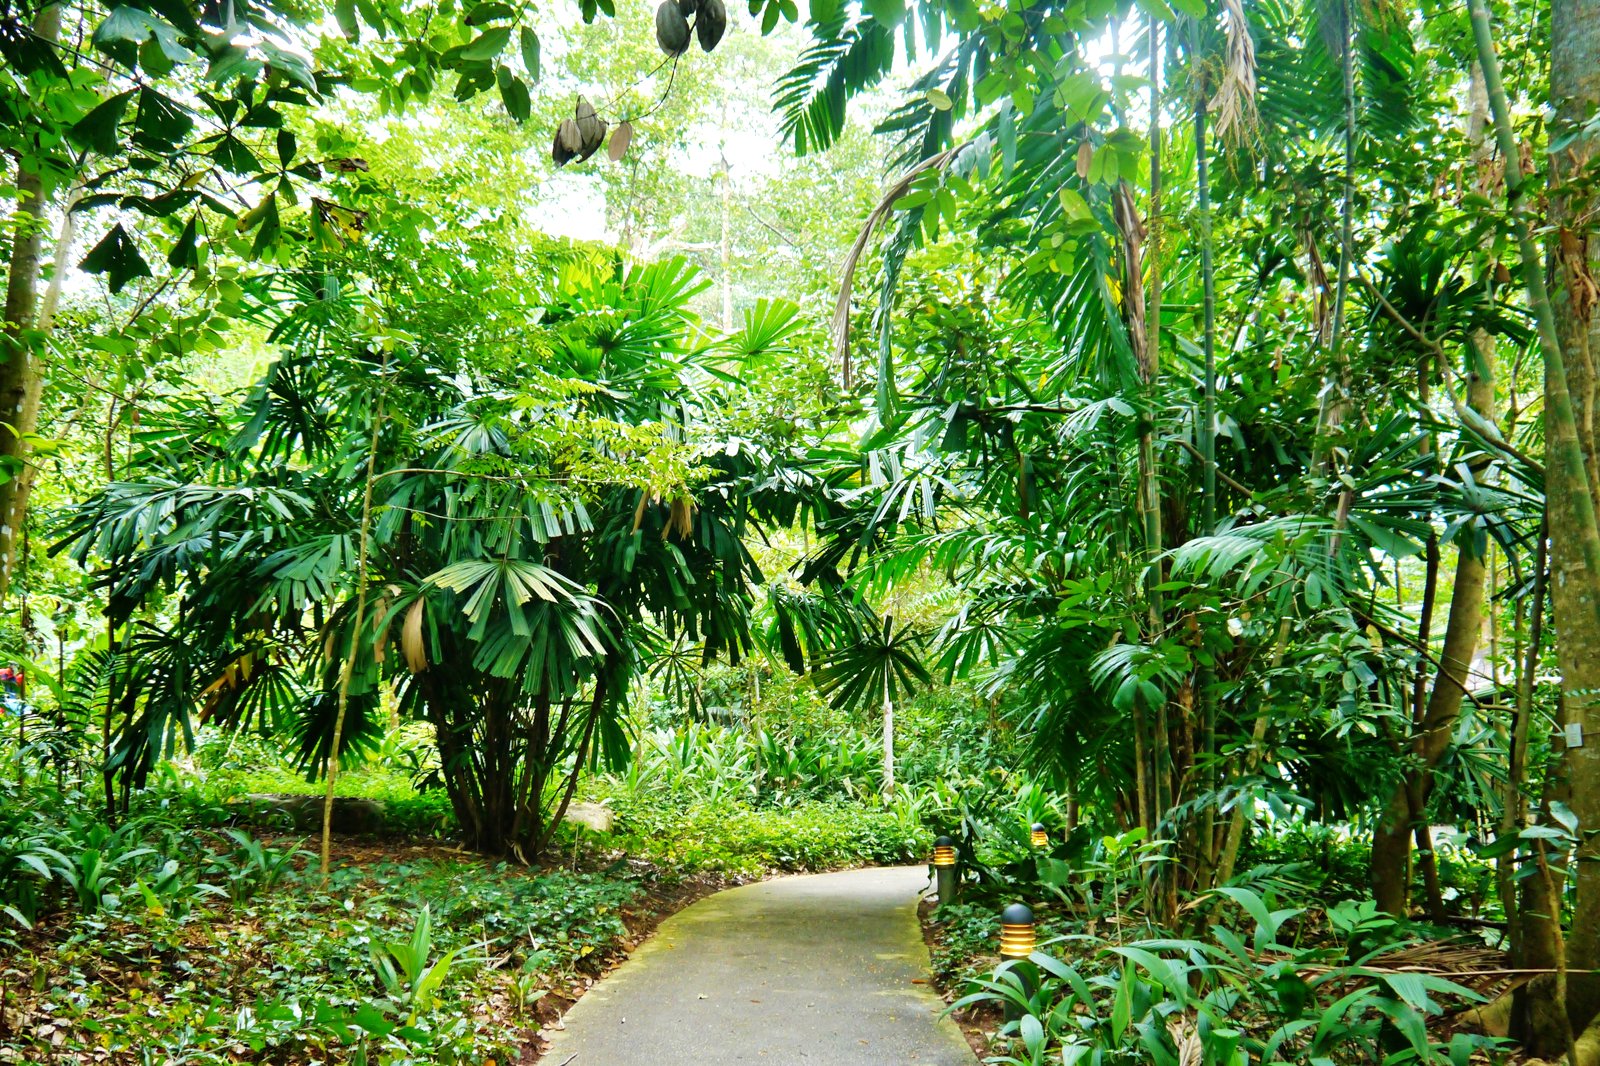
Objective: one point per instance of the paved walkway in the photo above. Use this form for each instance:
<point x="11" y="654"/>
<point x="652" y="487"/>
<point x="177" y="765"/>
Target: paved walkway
<point x="816" y="970"/>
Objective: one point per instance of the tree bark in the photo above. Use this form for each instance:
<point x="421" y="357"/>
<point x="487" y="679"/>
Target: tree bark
<point x="1575" y="579"/>
<point x="1567" y="324"/>
<point x="21" y="380"/>
<point x="357" y="626"/>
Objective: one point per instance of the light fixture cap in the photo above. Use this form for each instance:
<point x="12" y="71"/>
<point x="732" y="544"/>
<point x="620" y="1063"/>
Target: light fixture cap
<point x="1017" y="914"/>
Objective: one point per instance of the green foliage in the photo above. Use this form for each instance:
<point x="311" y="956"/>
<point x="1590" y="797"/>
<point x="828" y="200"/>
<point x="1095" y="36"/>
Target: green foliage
<point x="400" y="962"/>
<point x="534" y="532"/>
<point x="410" y="971"/>
<point x="1224" y="1001"/>
<point x="728" y="837"/>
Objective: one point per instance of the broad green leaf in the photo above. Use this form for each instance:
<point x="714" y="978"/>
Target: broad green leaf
<point x="489" y="44"/>
<point x="117" y="257"/>
<point x="97" y="131"/>
<point x="489" y="12"/>
<point x="530" y="53"/>
<point x="160" y="123"/>
<point x="344" y="11"/>
<point x="514" y="93"/>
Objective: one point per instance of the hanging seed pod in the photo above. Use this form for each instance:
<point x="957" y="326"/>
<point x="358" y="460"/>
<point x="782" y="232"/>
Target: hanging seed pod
<point x="619" y="147"/>
<point x="712" y="23"/>
<point x="590" y="147"/>
<point x="591" y="129"/>
<point x="568" y="143"/>
<point x="672" y="29"/>
<point x="1084" y="158"/>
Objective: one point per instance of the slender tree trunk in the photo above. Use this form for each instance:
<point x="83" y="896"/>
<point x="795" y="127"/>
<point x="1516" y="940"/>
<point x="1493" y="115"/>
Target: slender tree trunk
<point x="888" y="738"/>
<point x="1233" y="835"/>
<point x="1336" y="388"/>
<point x="347" y="671"/>
<point x="1347" y="199"/>
<point x="1205" y="675"/>
<point x="21" y="378"/>
<point x="1406" y="814"/>
<point x="1208" y="276"/>
<point x="1514" y="815"/>
<point x="1391" y="839"/>
<point x="1567" y="325"/>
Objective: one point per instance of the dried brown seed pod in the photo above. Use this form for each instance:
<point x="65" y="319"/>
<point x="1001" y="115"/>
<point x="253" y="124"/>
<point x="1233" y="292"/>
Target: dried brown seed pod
<point x="568" y="142"/>
<point x="620" y="141"/>
<point x="591" y="129"/>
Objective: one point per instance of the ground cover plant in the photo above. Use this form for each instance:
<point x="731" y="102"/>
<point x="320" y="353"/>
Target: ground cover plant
<point x="158" y="941"/>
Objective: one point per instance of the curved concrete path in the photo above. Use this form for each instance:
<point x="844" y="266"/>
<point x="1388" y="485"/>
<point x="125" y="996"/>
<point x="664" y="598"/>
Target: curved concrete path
<point x="817" y="969"/>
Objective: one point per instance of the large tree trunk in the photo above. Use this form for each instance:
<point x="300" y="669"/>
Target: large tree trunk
<point x="1575" y="584"/>
<point x="1567" y="327"/>
<point x="21" y="379"/>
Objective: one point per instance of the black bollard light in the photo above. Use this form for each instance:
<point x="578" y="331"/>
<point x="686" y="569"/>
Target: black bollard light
<point x="1016" y="944"/>
<point x="1040" y="837"/>
<point x="944" y="868"/>
<point x="1016" y="932"/>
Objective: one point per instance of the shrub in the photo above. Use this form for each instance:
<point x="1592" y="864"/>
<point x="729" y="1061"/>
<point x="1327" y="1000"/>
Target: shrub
<point x="724" y="836"/>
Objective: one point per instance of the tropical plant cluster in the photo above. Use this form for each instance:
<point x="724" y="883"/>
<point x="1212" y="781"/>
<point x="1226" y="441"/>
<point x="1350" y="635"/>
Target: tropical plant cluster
<point x="1166" y="421"/>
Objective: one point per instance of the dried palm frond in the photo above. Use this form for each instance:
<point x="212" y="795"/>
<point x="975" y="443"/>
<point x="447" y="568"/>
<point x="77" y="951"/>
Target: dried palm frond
<point x="680" y="518"/>
<point x="411" y="645"/>
<point x="1440" y="956"/>
<point x="841" y="308"/>
<point x="1186" y="1038"/>
<point x="380" y="623"/>
<point x="1234" y="104"/>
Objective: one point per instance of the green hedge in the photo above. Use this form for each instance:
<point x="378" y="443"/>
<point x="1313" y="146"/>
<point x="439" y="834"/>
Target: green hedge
<point x="728" y="837"/>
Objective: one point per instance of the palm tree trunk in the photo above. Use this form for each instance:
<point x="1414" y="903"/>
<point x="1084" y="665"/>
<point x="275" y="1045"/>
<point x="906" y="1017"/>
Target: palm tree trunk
<point x="1514" y="814"/>
<point x="1208" y="276"/>
<point x="1405" y="816"/>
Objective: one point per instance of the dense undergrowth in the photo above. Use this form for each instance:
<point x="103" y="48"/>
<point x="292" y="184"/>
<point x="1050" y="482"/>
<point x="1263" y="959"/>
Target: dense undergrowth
<point x="173" y="937"/>
<point x="196" y="929"/>
<point x="1285" y="963"/>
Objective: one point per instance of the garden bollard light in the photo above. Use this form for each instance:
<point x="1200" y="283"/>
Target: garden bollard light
<point x="1040" y="837"/>
<point x="1016" y="932"/>
<point x="944" y="869"/>
<point x="1016" y="944"/>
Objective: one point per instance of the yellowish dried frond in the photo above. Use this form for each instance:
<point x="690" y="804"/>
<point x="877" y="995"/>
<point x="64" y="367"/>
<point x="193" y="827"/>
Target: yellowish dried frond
<point x="1234" y="105"/>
